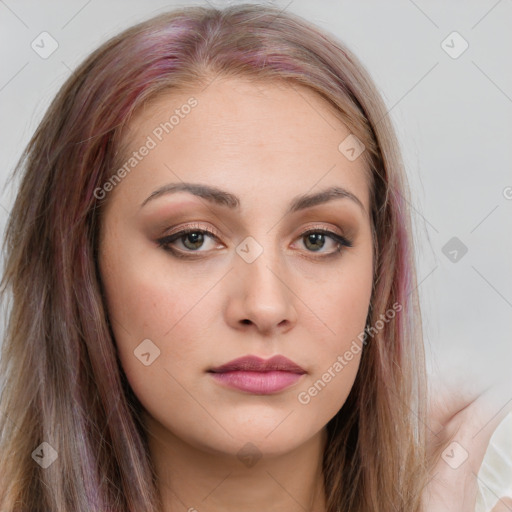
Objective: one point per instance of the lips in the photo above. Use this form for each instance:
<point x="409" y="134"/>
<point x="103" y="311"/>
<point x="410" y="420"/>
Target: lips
<point x="258" y="376"/>
<point x="256" y="364"/>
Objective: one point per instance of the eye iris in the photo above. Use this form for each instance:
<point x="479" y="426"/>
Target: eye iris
<point x="196" y="237"/>
<point x="315" y="238"/>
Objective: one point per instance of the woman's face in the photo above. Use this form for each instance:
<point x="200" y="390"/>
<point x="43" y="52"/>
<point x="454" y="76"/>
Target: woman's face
<point x="245" y="281"/>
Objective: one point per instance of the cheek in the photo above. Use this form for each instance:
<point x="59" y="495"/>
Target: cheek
<point x="343" y="308"/>
<point x="348" y="307"/>
<point x="326" y="392"/>
<point x="144" y="304"/>
<point x="337" y="360"/>
<point x="345" y="299"/>
<point x="144" y="307"/>
<point x="144" y="299"/>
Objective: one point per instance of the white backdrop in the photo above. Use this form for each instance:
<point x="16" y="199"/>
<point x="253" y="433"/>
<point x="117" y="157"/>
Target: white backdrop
<point x="444" y="70"/>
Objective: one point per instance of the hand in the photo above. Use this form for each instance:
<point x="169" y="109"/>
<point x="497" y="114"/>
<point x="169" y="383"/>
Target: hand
<point x="461" y="423"/>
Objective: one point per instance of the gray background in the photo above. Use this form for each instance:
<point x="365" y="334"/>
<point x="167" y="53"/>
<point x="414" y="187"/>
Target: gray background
<point x="452" y="116"/>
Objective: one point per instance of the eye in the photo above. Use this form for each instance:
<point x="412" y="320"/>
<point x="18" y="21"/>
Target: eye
<point x="315" y="240"/>
<point x="193" y="238"/>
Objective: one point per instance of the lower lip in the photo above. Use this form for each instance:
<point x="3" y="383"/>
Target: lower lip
<point x="260" y="383"/>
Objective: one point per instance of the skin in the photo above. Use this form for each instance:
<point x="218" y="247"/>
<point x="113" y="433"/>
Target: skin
<point x="265" y="143"/>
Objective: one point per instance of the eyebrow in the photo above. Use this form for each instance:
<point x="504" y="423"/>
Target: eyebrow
<point x="224" y="198"/>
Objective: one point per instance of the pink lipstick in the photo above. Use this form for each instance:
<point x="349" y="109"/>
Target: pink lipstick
<point x="258" y="376"/>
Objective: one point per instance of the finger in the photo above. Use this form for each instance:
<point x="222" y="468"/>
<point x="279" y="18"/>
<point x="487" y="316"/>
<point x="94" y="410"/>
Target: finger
<point x="503" y="505"/>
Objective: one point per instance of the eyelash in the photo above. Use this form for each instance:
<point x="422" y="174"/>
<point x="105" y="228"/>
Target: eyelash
<point x="166" y="241"/>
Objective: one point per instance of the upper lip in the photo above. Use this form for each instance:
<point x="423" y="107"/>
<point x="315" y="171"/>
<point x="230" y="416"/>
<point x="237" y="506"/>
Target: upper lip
<point x="256" y="364"/>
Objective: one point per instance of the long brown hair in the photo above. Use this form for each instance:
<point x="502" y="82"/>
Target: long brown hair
<point x="62" y="380"/>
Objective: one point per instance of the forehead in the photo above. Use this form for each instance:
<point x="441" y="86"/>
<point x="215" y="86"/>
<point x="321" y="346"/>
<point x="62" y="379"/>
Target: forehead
<point x="245" y="136"/>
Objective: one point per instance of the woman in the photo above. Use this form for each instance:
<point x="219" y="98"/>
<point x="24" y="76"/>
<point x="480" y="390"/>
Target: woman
<point x="175" y="341"/>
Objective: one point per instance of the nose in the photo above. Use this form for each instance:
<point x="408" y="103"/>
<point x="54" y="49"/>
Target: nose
<point x="261" y="297"/>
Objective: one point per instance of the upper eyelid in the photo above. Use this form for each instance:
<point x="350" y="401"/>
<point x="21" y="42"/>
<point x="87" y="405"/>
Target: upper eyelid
<point x="193" y="228"/>
<point x="214" y="232"/>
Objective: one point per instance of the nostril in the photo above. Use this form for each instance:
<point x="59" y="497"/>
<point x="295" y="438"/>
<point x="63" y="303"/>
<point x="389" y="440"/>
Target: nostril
<point x="246" y="321"/>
